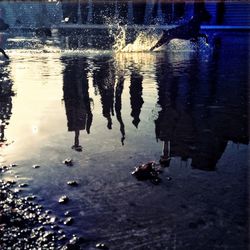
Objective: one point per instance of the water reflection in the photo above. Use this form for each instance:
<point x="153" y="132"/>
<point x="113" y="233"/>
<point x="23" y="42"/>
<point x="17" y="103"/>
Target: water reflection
<point x="104" y="81"/>
<point x="6" y="94"/>
<point x="118" y="104"/>
<point x="136" y="100"/>
<point x="197" y="113"/>
<point x="197" y="110"/>
<point x="76" y="97"/>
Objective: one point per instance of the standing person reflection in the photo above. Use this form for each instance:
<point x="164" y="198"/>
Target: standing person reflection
<point x="104" y="81"/>
<point x="198" y="116"/>
<point x="136" y="99"/>
<point x="174" y="125"/>
<point x="118" y="105"/>
<point x="76" y="98"/>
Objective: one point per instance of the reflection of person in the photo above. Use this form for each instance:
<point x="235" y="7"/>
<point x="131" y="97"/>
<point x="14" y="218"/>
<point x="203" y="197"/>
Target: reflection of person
<point x="76" y="98"/>
<point x="166" y="155"/>
<point x="118" y="105"/>
<point x="104" y="81"/>
<point x="195" y="118"/>
<point x="136" y="99"/>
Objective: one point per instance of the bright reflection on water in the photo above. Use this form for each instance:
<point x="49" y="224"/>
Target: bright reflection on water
<point x="124" y="109"/>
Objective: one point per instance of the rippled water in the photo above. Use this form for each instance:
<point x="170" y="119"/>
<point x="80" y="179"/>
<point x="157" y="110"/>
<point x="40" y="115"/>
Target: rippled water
<point x="125" y="109"/>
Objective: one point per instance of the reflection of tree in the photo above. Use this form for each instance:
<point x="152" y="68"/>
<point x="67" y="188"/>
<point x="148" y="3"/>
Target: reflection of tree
<point x="136" y="100"/>
<point x="197" y="119"/>
<point x="6" y="94"/>
<point x="104" y="80"/>
<point x="76" y="97"/>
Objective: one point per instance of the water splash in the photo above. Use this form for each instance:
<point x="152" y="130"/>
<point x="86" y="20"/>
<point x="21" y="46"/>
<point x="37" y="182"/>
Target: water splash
<point x="120" y="38"/>
<point x="143" y="42"/>
<point x="145" y="39"/>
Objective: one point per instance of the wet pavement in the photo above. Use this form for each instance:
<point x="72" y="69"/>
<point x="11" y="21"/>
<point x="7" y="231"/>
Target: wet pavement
<point x="77" y="123"/>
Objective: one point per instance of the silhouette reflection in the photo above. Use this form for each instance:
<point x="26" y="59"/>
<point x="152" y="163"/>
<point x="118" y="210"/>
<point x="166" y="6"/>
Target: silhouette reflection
<point x="104" y="81"/>
<point x="136" y="100"/>
<point x="6" y="94"/>
<point x="199" y="114"/>
<point x="118" y="105"/>
<point x="76" y="97"/>
<point x="202" y="104"/>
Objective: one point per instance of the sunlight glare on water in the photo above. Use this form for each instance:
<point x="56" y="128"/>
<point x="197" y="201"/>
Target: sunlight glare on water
<point x="37" y="81"/>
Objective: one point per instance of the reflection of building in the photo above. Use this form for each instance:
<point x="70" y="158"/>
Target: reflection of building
<point x="76" y="97"/>
<point x="6" y="94"/>
<point x="200" y="110"/>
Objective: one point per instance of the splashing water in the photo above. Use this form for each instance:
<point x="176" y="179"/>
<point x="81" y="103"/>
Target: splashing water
<point x="179" y="45"/>
<point x="147" y="38"/>
<point x="120" y="38"/>
<point x="143" y="42"/>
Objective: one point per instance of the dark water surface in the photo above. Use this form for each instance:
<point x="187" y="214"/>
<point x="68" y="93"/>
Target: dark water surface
<point x="126" y="109"/>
